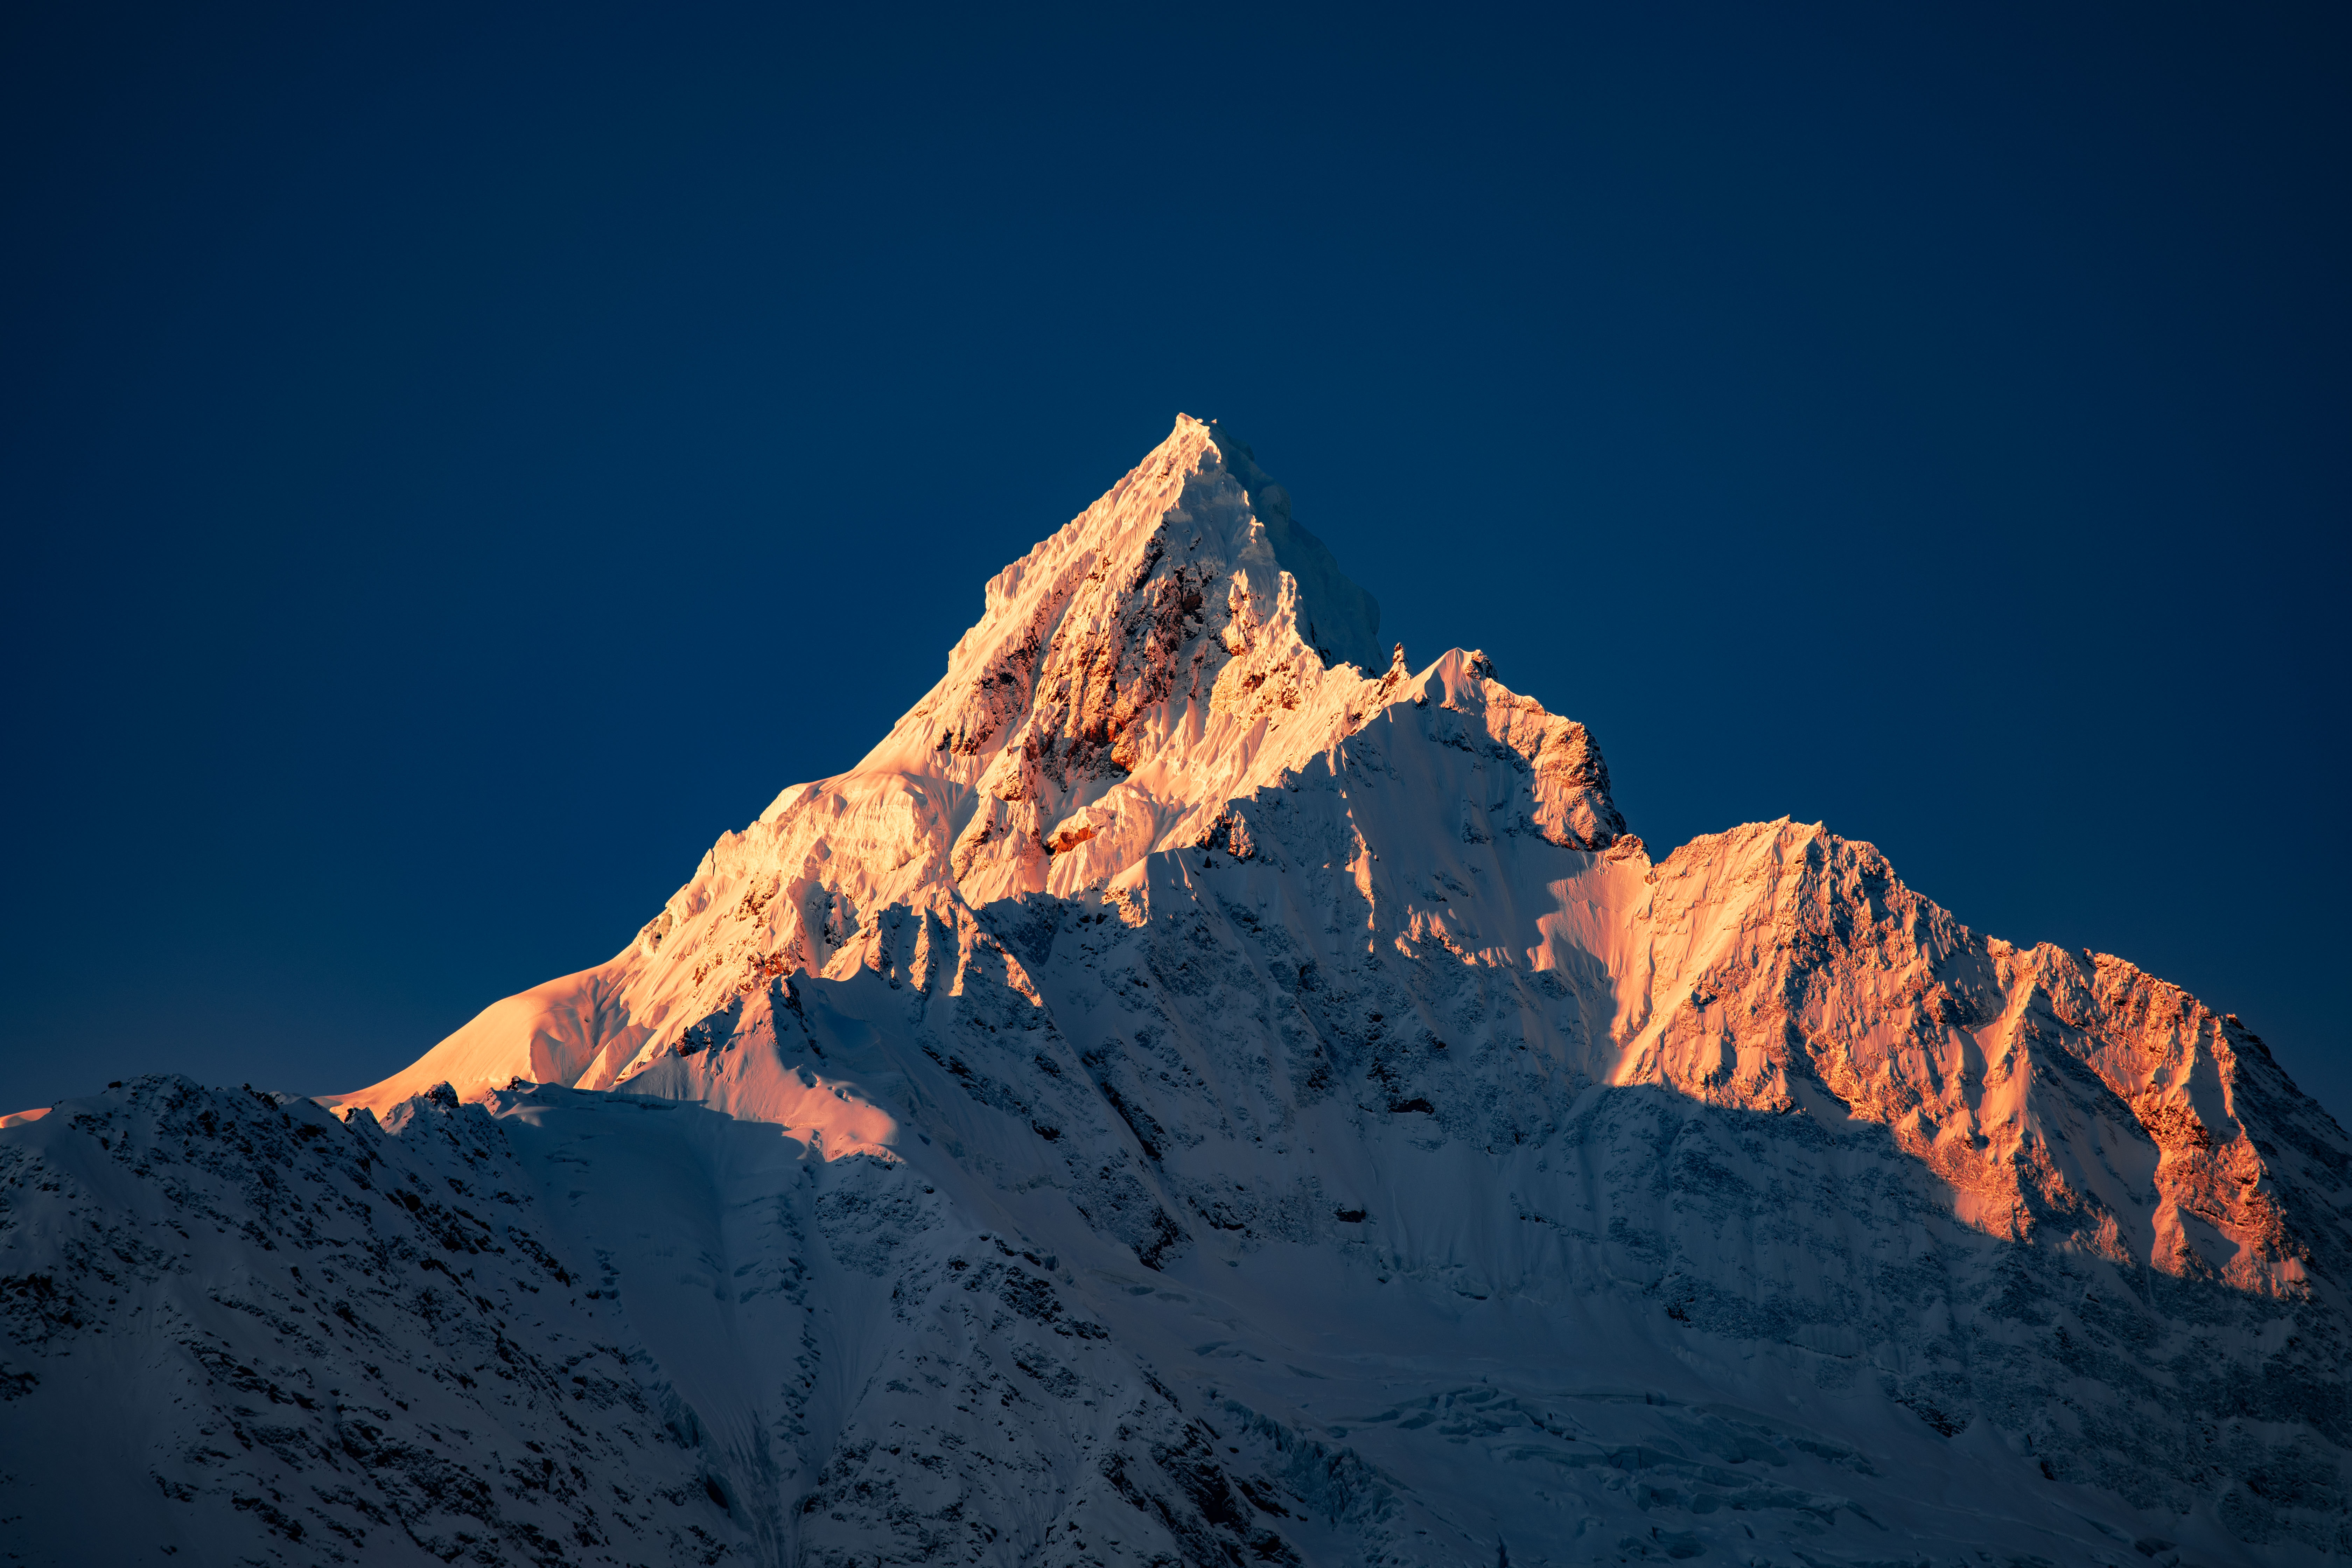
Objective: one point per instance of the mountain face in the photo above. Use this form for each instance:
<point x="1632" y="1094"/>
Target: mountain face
<point x="1202" y="1091"/>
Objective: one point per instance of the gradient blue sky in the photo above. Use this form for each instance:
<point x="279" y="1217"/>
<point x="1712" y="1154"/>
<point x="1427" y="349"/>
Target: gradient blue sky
<point x="457" y="461"/>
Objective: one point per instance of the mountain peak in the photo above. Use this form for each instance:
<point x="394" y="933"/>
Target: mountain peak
<point x="1180" y="645"/>
<point x="1135" y="668"/>
<point x="1199" y="494"/>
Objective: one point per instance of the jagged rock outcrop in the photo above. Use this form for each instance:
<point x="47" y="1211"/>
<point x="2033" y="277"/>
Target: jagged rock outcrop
<point x="1191" y="1096"/>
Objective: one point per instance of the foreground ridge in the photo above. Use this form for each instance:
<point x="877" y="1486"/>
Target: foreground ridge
<point x="1203" y="1091"/>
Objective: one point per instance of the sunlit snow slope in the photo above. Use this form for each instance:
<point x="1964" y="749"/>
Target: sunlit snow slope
<point x="1203" y="1092"/>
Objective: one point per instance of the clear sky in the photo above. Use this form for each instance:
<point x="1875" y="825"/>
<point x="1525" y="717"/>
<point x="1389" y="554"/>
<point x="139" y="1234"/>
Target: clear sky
<point x="457" y="461"/>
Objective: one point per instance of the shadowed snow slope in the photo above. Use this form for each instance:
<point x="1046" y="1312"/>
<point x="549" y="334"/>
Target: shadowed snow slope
<point x="1188" y="1096"/>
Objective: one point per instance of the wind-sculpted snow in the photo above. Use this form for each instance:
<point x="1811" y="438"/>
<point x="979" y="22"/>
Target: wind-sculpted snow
<point x="1186" y="1099"/>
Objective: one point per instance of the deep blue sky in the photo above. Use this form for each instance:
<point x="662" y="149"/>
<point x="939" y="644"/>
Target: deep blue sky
<point x="453" y="467"/>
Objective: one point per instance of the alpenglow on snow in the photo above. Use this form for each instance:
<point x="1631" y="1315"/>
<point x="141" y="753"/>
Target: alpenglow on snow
<point x="1203" y="1091"/>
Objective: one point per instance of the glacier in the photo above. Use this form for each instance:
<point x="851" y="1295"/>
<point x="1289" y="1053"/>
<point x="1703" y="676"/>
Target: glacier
<point x="1203" y="1091"/>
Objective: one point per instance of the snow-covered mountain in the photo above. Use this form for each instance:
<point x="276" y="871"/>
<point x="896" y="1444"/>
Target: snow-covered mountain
<point x="1203" y="1091"/>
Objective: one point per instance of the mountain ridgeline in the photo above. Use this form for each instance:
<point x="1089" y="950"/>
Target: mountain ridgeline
<point x="1203" y="1091"/>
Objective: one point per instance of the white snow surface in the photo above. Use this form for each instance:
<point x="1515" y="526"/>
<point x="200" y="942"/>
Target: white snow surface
<point x="1191" y="1096"/>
